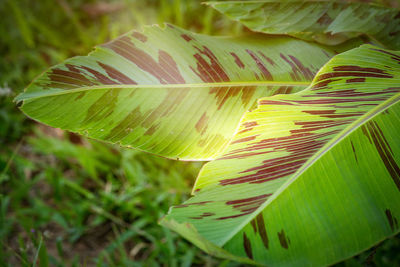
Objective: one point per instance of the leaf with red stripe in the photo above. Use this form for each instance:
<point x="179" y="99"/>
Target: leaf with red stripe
<point x="327" y="22"/>
<point x="169" y="91"/>
<point x="308" y="175"/>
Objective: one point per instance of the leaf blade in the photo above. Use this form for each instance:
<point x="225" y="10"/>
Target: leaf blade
<point x="278" y="144"/>
<point x="140" y="91"/>
<point x="328" y="22"/>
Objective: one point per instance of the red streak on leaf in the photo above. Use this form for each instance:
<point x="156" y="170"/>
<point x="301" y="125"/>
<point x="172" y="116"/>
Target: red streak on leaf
<point x="115" y="74"/>
<point x="187" y="37"/>
<point x="237" y="60"/>
<point x="139" y="36"/>
<point x="355" y="80"/>
<point x="245" y="139"/>
<point x="209" y="72"/>
<point x="165" y="70"/>
<point x="261" y="66"/>
<point x="201" y="125"/>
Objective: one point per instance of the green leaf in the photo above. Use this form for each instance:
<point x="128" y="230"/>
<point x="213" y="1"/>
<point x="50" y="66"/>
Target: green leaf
<point x="328" y="22"/>
<point x="169" y="91"/>
<point x="310" y="178"/>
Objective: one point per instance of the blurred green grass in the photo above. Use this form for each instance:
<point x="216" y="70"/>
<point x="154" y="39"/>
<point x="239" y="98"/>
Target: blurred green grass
<point x="69" y="201"/>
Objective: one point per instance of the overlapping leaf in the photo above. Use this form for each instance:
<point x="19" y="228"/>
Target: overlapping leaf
<point x="313" y="171"/>
<point x="169" y="91"/>
<point x="329" y="22"/>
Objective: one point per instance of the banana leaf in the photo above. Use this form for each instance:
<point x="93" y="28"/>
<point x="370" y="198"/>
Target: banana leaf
<point x="328" y="22"/>
<point x="169" y="91"/>
<point x="310" y="178"/>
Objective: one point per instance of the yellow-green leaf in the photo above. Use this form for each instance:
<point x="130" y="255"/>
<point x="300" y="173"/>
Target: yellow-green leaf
<point x="169" y="91"/>
<point x="310" y="178"/>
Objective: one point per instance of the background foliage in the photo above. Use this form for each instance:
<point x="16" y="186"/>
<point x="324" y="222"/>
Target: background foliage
<point x="69" y="201"/>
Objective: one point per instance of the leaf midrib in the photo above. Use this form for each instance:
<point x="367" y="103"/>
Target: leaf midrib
<point x="336" y="140"/>
<point x="47" y="93"/>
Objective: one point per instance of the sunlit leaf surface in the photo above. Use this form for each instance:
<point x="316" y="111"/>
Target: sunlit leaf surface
<point x="169" y="91"/>
<point x="309" y="178"/>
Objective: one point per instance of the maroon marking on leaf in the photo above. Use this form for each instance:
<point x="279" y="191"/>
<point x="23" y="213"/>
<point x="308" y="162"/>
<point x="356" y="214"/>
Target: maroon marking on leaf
<point x="281" y="142"/>
<point x="186" y="37"/>
<point x="152" y="129"/>
<point x="248" y="126"/>
<point x="355" y="80"/>
<point x="253" y="205"/>
<point x="254" y="225"/>
<point x="323" y="84"/>
<point x="354" y="151"/>
<point x="358" y="68"/>
<point x="69" y="77"/>
<point x="262" y="230"/>
<point x="384" y="151"/>
<point x="308" y="74"/>
<point x="318" y="125"/>
<point x="115" y="74"/>
<point x="261" y="66"/>
<point x="331" y="113"/>
<point x="165" y="70"/>
<point x="139" y="36"/>
<point x="247" y="246"/>
<point x="247" y="94"/>
<point x="246" y="200"/>
<point x="73" y="68"/>
<point x="82" y="94"/>
<point x="192" y="204"/>
<point x="237" y="60"/>
<point x="204" y="214"/>
<point x="262" y="178"/>
<point x="394" y="56"/>
<point x="202" y="124"/>
<point x="269" y="60"/>
<point x="283" y="240"/>
<point x="392" y="220"/>
<point x="101" y="78"/>
<point x="295" y="74"/>
<point x="169" y="64"/>
<point x="300" y="146"/>
<point x="283" y="90"/>
<point x="320" y="112"/>
<point x="354" y="93"/>
<point x="338" y="100"/>
<point x="233" y="216"/>
<point x="209" y="72"/>
<point x="222" y="94"/>
<point x="274" y="102"/>
<point x="247" y="205"/>
<point x="245" y="139"/>
<point x="350" y="74"/>
<point x="366" y="133"/>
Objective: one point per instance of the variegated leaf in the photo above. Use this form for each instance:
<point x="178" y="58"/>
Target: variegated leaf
<point x="313" y="171"/>
<point x="329" y="22"/>
<point x="169" y="91"/>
